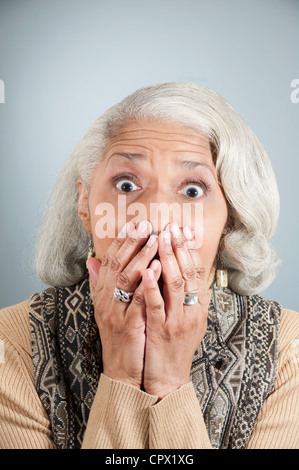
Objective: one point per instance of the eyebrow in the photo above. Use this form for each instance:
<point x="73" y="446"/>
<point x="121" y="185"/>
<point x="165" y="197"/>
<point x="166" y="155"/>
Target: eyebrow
<point x="186" y="164"/>
<point x="191" y="164"/>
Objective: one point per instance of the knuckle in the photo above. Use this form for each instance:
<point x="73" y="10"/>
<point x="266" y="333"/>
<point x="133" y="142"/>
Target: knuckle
<point x="167" y="334"/>
<point x="111" y="324"/>
<point x="177" y="283"/>
<point x="132" y="241"/>
<point x="118" y="241"/>
<point x="157" y="307"/>
<point x="175" y="330"/>
<point x="169" y="254"/>
<point x="178" y="330"/>
<point x="138" y="298"/>
<point x="105" y="260"/>
<point x="189" y="274"/>
<point x="114" y="264"/>
<point x="200" y="272"/>
<point x="179" y="244"/>
<point x="123" y="279"/>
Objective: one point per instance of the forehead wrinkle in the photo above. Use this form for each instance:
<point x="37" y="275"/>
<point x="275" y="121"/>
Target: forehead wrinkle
<point x="179" y="141"/>
<point x="170" y="131"/>
<point x="191" y="164"/>
<point x="131" y="156"/>
<point x="198" y="148"/>
<point x="151" y="136"/>
<point x="134" y="157"/>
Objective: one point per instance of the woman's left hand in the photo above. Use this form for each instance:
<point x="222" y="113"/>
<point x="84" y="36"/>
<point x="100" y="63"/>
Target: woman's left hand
<point x="173" y="330"/>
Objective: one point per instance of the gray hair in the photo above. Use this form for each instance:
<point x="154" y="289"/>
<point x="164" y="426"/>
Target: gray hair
<point x="243" y="168"/>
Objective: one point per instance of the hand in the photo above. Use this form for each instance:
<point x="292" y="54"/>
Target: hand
<point x="173" y="330"/>
<point x="122" y="325"/>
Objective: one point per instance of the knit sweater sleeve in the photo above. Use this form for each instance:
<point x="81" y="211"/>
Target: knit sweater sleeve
<point x="124" y="417"/>
<point x="277" y="425"/>
<point x="24" y="423"/>
<point x="121" y="416"/>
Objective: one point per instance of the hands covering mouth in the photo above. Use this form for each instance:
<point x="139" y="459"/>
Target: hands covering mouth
<point x="149" y="340"/>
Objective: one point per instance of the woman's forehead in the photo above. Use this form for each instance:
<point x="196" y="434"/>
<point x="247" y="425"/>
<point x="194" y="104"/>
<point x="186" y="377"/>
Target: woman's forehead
<point x="148" y="135"/>
<point x="156" y="129"/>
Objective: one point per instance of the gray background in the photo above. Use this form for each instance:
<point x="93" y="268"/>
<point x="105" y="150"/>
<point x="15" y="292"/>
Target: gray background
<point x="64" y="62"/>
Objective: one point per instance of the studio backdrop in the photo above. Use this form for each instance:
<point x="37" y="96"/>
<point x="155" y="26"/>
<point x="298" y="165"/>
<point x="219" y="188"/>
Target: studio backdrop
<point x="64" y="62"/>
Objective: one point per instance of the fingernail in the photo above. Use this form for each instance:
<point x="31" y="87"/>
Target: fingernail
<point x="150" y="274"/>
<point x="155" y="265"/>
<point x="166" y="237"/>
<point x="151" y="241"/>
<point x="187" y="233"/>
<point x="175" y="230"/>
<point x="142" y="226"/>
<point x="125" y="230"/>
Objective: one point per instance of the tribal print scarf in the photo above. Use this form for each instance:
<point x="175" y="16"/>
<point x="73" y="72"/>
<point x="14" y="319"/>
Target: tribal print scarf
<point x="233" y="370"/>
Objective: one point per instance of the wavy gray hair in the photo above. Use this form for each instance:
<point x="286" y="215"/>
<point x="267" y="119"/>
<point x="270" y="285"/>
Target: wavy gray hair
<point x="243" y="168"/>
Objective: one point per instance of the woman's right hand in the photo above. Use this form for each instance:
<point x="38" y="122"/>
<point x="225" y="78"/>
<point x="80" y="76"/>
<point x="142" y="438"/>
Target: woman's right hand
<point x="122" y="325"/>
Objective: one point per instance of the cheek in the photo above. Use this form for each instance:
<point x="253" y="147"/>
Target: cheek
<point x="102" y="219"/>
<point x="212" y="227"/>
<point x="101" y="246"/>
<point x="104" y="228"/>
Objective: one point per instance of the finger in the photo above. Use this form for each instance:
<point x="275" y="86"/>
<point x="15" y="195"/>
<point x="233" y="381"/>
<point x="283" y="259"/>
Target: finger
<point x="155" y="311"/>
<point x="129" y="278"/>
<point x="156" y="267"/>
<point x="184" y="259"/>
<point x="130" y="249"/>
<point x="138" y="300"/>
<point x="202" y="286"/>
<point x="173" y="289"/>
<point x="124" y="247"/>
<point x="93" y="265"/>
<point x="119" y="240"/>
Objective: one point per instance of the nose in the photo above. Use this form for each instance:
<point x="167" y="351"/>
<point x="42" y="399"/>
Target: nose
<point x="160" y="210"/>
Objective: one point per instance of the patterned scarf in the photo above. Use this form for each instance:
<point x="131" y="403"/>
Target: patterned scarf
<point x="233" y="370"/>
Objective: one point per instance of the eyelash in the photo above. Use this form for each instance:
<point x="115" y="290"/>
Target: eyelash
<point x="196" y="181"/>
<point x="127" y="176"/>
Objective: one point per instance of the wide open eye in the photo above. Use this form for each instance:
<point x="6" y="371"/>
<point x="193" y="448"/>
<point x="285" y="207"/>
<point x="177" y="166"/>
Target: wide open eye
<point x="126" y="186"/>
<point x="193" y="191"/>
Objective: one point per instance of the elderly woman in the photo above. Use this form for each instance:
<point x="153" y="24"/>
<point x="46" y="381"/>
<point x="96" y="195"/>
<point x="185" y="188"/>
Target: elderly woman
<point x="155" y="245"/>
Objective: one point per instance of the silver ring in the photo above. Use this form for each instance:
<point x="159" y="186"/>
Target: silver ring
<point x="122" y="295"/>
<point x="191" y="298"/>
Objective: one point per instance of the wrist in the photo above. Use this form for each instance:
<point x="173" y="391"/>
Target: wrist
<point x="122" y="378"/>
<point x="162" y="390"/>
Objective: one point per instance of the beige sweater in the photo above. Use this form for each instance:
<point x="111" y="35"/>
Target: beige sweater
<point x="123" y="417"/>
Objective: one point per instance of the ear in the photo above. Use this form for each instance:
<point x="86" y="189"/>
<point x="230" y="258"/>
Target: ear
<point x="83" y="209"/>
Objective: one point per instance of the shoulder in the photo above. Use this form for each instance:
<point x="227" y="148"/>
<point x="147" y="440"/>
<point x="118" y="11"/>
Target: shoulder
<point x="14" y="326"/>
<point x="289" y="331"/>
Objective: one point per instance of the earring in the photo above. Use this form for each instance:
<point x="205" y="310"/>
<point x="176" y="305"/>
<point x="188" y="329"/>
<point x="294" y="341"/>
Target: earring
<point x="221" y="275"/>
<point x="91" y="252"/>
